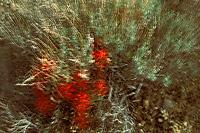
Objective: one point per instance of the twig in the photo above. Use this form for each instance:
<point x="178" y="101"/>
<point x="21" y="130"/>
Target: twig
<point x="138" y="90"/>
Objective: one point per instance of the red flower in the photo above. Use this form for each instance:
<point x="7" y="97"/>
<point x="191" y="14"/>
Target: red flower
<point x="100" y="88"/>
<point x="100" y="55"/>
<point x="79" y="84"/>
<point x="78" y="91"/>
<point x="100" y="58"/>
<point x="66" y="92"/>
<point x="81" y="104"/>
<point x="43" y="102"/>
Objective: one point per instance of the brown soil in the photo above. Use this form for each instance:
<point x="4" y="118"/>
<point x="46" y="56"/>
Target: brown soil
<point x="174" y="110"/>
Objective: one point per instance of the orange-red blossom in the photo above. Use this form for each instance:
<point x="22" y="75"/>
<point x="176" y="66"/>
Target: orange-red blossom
<point x="78" y="91"/>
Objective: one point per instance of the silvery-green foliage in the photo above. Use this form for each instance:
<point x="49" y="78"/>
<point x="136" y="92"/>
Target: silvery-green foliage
<point x="171" y="40"/>
<point x="14" y="121"/>
<point x="115" y="114"/>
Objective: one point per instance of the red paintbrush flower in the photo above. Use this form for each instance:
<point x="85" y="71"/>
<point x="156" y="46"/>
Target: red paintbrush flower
<point x="100" y="88"/>
<point x="78" y="91"/>
<point x="78" y="83"/>
<point x="81" y="104"/>
<point x="100" y="58"/>
<point x="65" y="92"/>
<point x="100" y="55"/>
<point x="43" y="102"/>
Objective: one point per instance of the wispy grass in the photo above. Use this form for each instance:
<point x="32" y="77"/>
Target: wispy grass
<point x="12" y="120"/>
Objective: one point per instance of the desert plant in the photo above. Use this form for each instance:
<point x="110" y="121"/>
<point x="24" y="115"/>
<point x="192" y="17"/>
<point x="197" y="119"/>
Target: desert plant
<point x="144" y="41"/>
<point x="13" y="120"/>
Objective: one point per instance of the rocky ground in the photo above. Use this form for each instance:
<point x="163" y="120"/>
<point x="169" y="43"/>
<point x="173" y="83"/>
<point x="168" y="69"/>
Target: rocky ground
<point x="173" y="109"/>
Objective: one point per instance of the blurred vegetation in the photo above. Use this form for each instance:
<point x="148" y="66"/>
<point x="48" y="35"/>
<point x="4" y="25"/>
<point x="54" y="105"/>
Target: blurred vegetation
<point x="162" y="44"/>
<point x="158" y="40"/>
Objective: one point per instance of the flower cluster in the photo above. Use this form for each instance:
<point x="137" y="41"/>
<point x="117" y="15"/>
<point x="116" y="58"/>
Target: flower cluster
<point x="101" y="63"/>
<point x="43" y="102"/>
<point x="42" y="73"/>
<point x="78" y="92"/>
